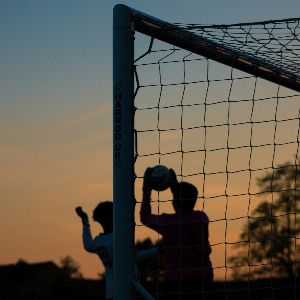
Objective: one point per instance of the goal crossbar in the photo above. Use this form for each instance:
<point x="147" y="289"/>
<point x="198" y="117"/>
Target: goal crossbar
<point x="205" y="47"/>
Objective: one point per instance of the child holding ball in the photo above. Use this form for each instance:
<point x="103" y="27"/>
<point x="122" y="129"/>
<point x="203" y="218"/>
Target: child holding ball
<point x="184" y="233"/>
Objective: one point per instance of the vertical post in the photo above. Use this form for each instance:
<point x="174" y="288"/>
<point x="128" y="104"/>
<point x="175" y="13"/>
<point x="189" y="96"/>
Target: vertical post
<point x="123" y="153"/>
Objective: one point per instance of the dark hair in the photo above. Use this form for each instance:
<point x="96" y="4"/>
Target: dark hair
<point x="185" y="195"/>
<point x="103" y="212"/>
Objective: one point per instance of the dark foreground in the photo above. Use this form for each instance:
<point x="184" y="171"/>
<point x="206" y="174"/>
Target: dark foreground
<point x="276" y="289"/>
<point x="82" y="289"/>
<point x="46" y="281"/>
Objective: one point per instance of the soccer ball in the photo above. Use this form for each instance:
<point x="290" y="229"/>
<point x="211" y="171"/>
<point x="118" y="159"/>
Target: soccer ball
<point x="161" y="177"/>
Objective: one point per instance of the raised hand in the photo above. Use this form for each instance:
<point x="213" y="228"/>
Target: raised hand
<point x="173" y="177"/>
<point x="82" y="214"/>
<point x="148" y="185"/>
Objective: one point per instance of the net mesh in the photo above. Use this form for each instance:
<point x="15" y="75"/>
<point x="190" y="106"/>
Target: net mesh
<point x="235" y="136"/>
<point x="275" y="42"/>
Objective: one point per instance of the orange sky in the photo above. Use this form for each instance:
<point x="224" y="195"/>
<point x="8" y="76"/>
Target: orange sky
<point x="56" y="125"/>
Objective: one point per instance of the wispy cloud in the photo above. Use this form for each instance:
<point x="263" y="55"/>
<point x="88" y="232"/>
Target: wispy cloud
<point x="103" y="110"/>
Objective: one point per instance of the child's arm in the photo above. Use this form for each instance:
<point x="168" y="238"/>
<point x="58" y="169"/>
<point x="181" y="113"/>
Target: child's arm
<point x="147" y="218"/>
<point x="87" y="239"/>
<point x="174" y="180"/>
<point x="82" y="215"/>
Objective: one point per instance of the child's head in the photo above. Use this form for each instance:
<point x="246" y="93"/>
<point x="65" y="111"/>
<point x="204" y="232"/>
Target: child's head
<point x="184" y="196"/>
<point x="103" y="213"/>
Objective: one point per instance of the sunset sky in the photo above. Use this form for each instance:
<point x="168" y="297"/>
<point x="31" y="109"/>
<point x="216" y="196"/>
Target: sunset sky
<point x="56" y="113"/>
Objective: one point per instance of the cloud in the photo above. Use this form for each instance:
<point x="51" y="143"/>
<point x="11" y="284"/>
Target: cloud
<point x="103" y="110"/>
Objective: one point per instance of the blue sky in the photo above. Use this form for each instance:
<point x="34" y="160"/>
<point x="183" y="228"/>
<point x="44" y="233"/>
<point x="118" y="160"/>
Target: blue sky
<point x="66" y="44"/>
<point x="54" y="52"/>
<point x="55" y="117"/>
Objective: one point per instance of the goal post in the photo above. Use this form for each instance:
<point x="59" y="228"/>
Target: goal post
<point x="253" y="65"/>
<point x="123" y="153"/>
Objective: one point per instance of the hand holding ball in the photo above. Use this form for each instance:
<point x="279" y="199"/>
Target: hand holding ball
<point x="159" y="177"/>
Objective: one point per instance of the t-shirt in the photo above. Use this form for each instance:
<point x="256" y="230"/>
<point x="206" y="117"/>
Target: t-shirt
<point x="102" y="245"/>
<point x="186" y="245"/>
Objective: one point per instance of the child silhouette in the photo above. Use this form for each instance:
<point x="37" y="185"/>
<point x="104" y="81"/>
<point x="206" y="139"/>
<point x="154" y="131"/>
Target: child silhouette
<point x="102" y="244"/>
<point x="184" y="233"/>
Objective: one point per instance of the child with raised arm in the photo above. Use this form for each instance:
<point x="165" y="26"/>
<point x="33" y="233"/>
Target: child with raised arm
<point x="102" y="244"/>
<point x="184" y="233"/>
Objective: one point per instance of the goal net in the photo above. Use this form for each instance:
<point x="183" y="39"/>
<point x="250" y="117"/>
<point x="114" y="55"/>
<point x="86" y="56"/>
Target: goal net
<point x="220" y="106"/>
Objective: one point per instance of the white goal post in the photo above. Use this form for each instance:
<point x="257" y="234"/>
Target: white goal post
<point x="123" y="153"/>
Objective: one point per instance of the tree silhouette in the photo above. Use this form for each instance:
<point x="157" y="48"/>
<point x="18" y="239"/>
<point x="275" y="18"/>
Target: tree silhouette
<point x="70" y="267"/>
<point x="268" y="244"/>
